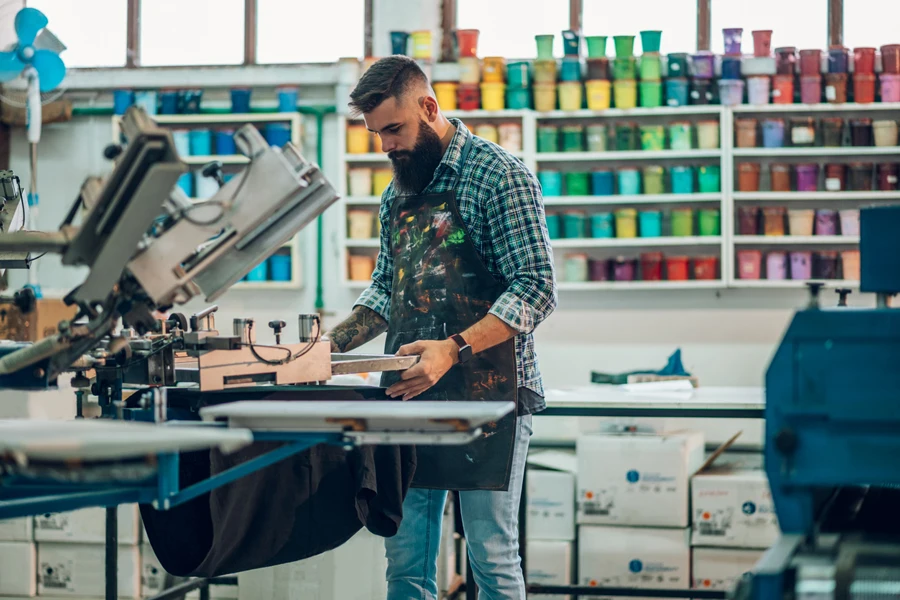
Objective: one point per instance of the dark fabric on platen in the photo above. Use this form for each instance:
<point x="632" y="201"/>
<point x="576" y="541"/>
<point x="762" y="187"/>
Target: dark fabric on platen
<point x="299" y="507"/>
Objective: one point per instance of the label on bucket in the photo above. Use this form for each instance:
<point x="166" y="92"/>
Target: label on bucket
<point x="892" y="178"/>
<point x="776" y="93"/>
<point x="830" y="93"/>
<point x="833" y="184"/>
<point x="802" y="135"/>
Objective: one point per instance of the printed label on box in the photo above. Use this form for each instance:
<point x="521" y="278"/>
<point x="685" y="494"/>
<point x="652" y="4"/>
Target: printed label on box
<point x="52" y="522"/>
<point x="152" y="578"/>
<point x="57" y="575"/>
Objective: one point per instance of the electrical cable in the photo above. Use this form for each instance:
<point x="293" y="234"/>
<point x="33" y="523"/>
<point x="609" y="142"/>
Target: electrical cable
<point x="31" y="260"/>
<point x="224" y="205"/>
<point x="290" y="357"/>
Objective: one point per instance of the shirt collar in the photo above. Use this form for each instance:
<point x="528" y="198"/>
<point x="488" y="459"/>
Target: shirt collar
<point x="453" y="155"/>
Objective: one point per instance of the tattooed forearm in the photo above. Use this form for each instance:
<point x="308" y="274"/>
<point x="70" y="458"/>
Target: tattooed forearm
<point x="363" y="325"/>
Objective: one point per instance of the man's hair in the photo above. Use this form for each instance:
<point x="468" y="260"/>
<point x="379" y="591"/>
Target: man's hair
<point x="389" y="77"/>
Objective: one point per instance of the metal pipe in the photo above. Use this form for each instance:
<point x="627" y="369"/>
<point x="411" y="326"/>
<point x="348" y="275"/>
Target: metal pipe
<point x="36" y="241"/>
<point x="178" y="591"/>
<point x="112" y="553"/>
<point x="704" y="24"/>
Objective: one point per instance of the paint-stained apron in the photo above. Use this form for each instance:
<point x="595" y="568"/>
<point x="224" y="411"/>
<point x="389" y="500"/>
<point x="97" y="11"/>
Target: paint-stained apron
<point x="440" y="288"/>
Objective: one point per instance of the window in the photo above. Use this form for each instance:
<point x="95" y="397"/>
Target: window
<point x="304" y="32"/>
<point x="799" y="23"/>
<point x="191" y="32"/>
<point x="508" y="27"/>
<point x="871" y="23"/>
<point x="677" y="19"/>
<point x="94" y="31"/>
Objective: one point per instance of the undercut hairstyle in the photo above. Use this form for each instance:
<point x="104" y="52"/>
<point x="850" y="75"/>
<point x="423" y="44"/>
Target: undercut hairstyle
<point x="389" y="77"/>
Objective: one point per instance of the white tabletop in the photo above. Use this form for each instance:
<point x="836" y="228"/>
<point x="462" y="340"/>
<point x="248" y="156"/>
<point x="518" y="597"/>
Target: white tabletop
<point x="639" y="397"/>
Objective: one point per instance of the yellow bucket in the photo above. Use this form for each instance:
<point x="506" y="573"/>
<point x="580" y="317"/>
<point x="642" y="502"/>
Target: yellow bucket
<point x="376" y="143"/>
<point x="360" y="267"/>
<point x="493" y="96"/>
<point x="488" y="132"/>
<point x="598" y="94"/>
<point x="626" y="223"/>
<point x="469" y="70"/>
<point x="625" y="92"/>
<point x="544" y="97"/>
<point x="357" y="139"/>
<point x="570" y="93"/>
<point x="493" y="70"/>
<point x="445" y="92"/>
<point x="421" y="44"/>
<point x="380" y="180"/>
<point x="545" y="71"/>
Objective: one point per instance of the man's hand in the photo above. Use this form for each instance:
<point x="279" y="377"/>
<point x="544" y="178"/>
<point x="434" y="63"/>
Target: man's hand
<point x="435" y="359"/>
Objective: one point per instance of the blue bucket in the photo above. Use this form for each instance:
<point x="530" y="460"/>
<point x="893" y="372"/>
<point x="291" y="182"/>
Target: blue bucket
<point x="240" y="100"/>
<point x="182" y="139"/>
<point x="602" y="225"/>
<point x="602" y="183"/>
<point x="677" y="91"/>
<point x="629" y="182"/>
<point x="280" y="267"/>
<point x="518" y="98"/>
<point x="259" y="272"/>
<point x="773" y="133"/>
<point x="399" y="40"/>
<point x="201" y="142"/>
<point x="186" y="183"/>
<point x="650" y="223"/>
<point x="287" y="99"/>
<point x="122" y="99"/>
<point x="225" y="142"/>
<point x="168" y="103"/>
<point x="682" y="180"/>
<point x="147" y="100"/>
<point x="553" y="228"/>
<point x="731" y="67"/>
<point x="278" y="134"/>
<point x="571" y="69"/>
<point x="551" y="182"/>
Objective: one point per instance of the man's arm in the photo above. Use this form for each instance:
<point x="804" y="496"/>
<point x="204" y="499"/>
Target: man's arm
<point x="363" y="325"/>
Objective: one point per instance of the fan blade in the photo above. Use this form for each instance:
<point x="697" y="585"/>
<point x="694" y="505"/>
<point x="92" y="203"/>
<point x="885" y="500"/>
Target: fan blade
<point x="50" y="67"/>
<point x="10" y="66"/>
<point x="28" y="22"/>
<point x="47" y="41"/>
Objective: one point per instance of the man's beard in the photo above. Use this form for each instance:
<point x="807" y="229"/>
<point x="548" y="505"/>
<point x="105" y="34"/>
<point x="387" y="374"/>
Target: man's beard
<point x="414" y="169"/>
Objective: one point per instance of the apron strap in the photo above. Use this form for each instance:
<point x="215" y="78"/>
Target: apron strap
<point x="463" y="157"/>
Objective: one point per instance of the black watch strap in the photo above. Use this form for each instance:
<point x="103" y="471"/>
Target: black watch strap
<point x="465" y="350"/>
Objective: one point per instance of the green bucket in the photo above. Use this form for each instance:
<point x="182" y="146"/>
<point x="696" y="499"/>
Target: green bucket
<point x="709" y="180"/>
<point x="596" y="45"/>
<point x="518" y="74"/>
<point x="624" y="45"/>
<point x="651" y="67"/>
<point x="578" y="184"/>
<point x="654" y="180"/>
<point x="680" y="135"/>
<point x="625" y="68"/>
<point x="682" y="222"/>
<point x="708" y="221"/>
<point x="650" y="41"/>
<point x="653" y="137"/>
<point x="548" y="138"/>
<point x="544" y="46"/>
<point x="572" y="138"/>
<point x="651" y="94"/>
<point x="627" y="137"/>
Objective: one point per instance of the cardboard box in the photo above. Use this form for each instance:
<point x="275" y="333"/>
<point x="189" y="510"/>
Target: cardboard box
<point x="634" y="557"/>
<point x="17" y="530"/>
<point x="551" y="496"/>
<point x="549" y="563"/>
<point x="721" y="568"/>
<point x="18" y="569"/>
<point x="637" y="479"/>
<point x="154" y="579"/>
<point x="88" y="526"/>
<point x="733" y="508"/>
<point x="67" y="570"/>
<point x="36" y="325"/>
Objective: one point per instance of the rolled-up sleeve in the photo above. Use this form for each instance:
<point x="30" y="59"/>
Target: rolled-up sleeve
<point x="517" y="232"/>
<point x="378" y="295"/>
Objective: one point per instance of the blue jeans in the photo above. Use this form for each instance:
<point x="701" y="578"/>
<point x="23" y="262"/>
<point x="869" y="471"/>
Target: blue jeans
<point x="491" y="522"/>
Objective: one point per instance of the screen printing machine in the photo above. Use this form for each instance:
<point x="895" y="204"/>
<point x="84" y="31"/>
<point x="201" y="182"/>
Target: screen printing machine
<point x="150" y="248"/>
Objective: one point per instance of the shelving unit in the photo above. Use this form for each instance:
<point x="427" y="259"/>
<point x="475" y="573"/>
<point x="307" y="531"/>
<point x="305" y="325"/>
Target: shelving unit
<point x="797" y="240"/>
<point x="233" y="121"/>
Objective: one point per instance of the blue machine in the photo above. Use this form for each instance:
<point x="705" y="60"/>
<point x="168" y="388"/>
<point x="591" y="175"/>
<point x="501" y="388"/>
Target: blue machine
<point x="833" y="440"/>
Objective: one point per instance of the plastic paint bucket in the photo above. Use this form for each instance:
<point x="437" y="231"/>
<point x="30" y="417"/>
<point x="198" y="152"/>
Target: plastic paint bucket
<point x="654" y="180"/>
<point x="602" y="225"/>
<point x="421" y="44"/>
<point x="624" y="45"/>
<point x="786" y="60"/>
<point x="574" y="224"/>
<point x="596" y="46"/>
<point x="570" y="69"/>
<point x="731" y="91"/>
<point x="708" y="135"/>
<point x="518" y="74"/>
<point x="836" y="87"/>
<point x="708" y="221"/>
<point x="651" y="41"/>
<point x="623" y="269"/>
<point x="776" y="266"/>
<point x="545" y="71"/>
<point x="651" y="67"/>
<point x="807" y="177"/>
<point x="625" y="92"/>
<point x="706" y="267"/>
<point x="225" y="142"/>
<point x="182" y="139"/>
<point x="811" y="89"/>
<point x="259" y="273"/>
<point x="626" y="223"/>
<point x="888" y="177"/>
<point x="445" y="92"/>
<point x="779" y="177"/>
<point x="677" y="268"/>
<point x="493" y="96"/>
<point x="702" y="91"/>
<point x="518" y="98"/>
<point x="651" y="264"/>
<point x="599" y="270"/>
<point x="890" y="59"/>
<point x="493" y="69"/>
<point x="749" y="264"/>
<point x="748" y="177"/>
<point x="651" y="94"/>
<point x="359" y="182"/>
<point x="864" y="60"/>
<point x="682" y="222"/>
<point x="810" y="62"/>
<point x="596" y="138"/>
<point x="146" y="99"/>
<point x="186" y="183"/>
<point x="399" y="40"/>
<point x="731" y="67"/>
<point x="835" y="178"/>
<point x="122" y="99"/>
<point x="629" y="182"/>
<point x="602" y="183"/>
<point x="553" y="226"/>
<point x="488" y="132"/>
<point x="890" y="87"/>
<point x="650" y="222"/>
<point x="783" y="89"/>
<point x="682" y="180"/>
<point x="850" y="264"/>
<point x="832" y="131"/>
<point x="864" y="88"/>
<point x="826" y="222"/>
<point x="598" y="68"/>
<point x="278" y="134"/>
<point x="468" y="97"/>
<point x="653" y="137"/>
<point x="704" y="65"/>
<point x="885" y="133"/>
<point x="861" y="177"/>
<point x="551" y="182"/>
<point x="357" y="139"/>
<point x="240" y="101"/>
<point x="801" y="265"/>
<point x="200" y="142"/>
<point x="861" y="133"/>
<point x="544" y="46"/>
<point x="627" y="137"/>
<point x="280" y="267"/>
<point x="745" y="133"/>
<point x="572" y="138"/>
<point x="467" y="42"/>
<point x="544" y="96"/>
<point x="571" y="42"/>
<point x="510" y="136"/>
<point x="469" y="71"/>
<point x="598" y="94"/>
<point x="677" y="91"/>
<point x="360" y="267"/>
<point x="548" y="138"/>
<point x="733" y="38"/>
<point x="773" y="133"/>
<point x="758" y="89"/>
<point x="849" y="221"/>
<point x="762" y="42"/>
<point x="360" y="224"/>
<point x="800" y="221"/>
<point x="625" y="67"/>
<point x="803" y="131"/>
<point x="680" y="135"/>
<point x="838" y="60"/>
<point x="287" y="99"/>
<point x="748" y="220"/>
<point x="709" y="179"/>
<point x="381" y="178"/>
<point x="570" y="95"/>
<point x="678" y="64"/>
<point x="773" y="220"/>
<point x="189" y="101"/>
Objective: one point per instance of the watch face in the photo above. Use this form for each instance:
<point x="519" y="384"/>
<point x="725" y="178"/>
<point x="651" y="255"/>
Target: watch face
<point x="465" y="353"/>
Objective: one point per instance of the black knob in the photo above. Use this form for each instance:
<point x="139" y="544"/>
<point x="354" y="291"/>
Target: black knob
<point x="814" y="288"/>
<point x="25" y="300"/>
<point x="842" y="296"/>
<point x="277" y="327"/>
<point x="177" y="320"/>
<point x="214" y="170"/>
<point x="112" y="151"/>
<point x="786" y="441"/>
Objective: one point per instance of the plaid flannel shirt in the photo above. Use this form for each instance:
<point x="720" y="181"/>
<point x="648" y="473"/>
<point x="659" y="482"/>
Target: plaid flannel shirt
<point x="503" y="211"/>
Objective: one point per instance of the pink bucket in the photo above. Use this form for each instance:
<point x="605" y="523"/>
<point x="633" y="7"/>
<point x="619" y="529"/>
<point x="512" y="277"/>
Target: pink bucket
<point x="811" y="89"/>
<point x="758" y="89"/>
<point x="890" y="87"/>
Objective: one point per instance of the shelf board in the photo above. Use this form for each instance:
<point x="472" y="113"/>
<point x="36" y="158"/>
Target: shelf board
<point x="639" y="242"/>
<point x="587" y="286"/>
<point x="486" y="114"/>
<point x="817" y="151"/>
<point x="363" y="200"/>
<point x="223" y="118"/>
<point x="630" y="199"/>
<point x="804" y="108"/>
<point x="266" y="285"/>
<point x="796" y="240"/>
<point x="790" y="283"/>
<point x="631" y="112"/>
<point x="623" y="156"/>
<point x="226" y="159"/>
<point x="360" y="243"/>
<point x="369" y="157"/>
<point x="797" y="196"/>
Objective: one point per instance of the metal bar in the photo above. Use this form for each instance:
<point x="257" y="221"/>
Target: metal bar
<point x="576" y="14"/>
<point x="686" y="413"/>
<point x="704" y="24"/>
<point x="238" y="471"/>
<point x="250" y="29"/>
<point x="471" y="586"/>
<point x="523" y="522"/>
<point x="178" y="591"/>
<point x="835" y="22"/>
<point x="368" y="16"/>
<point x="204" y="593"/>
<point x="448" y="29"/>
<point x="166" y="479"/>
<point x="223" y="581"/>
<point x="558" y="590"/>
<point x="112" y="552"/>
<point x="26" y="507"/>
<point x="133" y="35"/>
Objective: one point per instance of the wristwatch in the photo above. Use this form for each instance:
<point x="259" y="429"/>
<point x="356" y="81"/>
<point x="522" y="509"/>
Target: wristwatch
<point x="465" y="350"/>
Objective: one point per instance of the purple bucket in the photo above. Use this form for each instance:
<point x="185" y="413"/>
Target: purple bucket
<point x="599" y="270"/>
<point x="776" y="266"/>
<point x="801" y="265"/>
<point x="807" y="178"/>
<point x="826" y="222"/>
<point x="704" y="65"/>
<point x="731" y="92"/>
<point x="623" y="270"/>
<point x="733" y="38"/>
